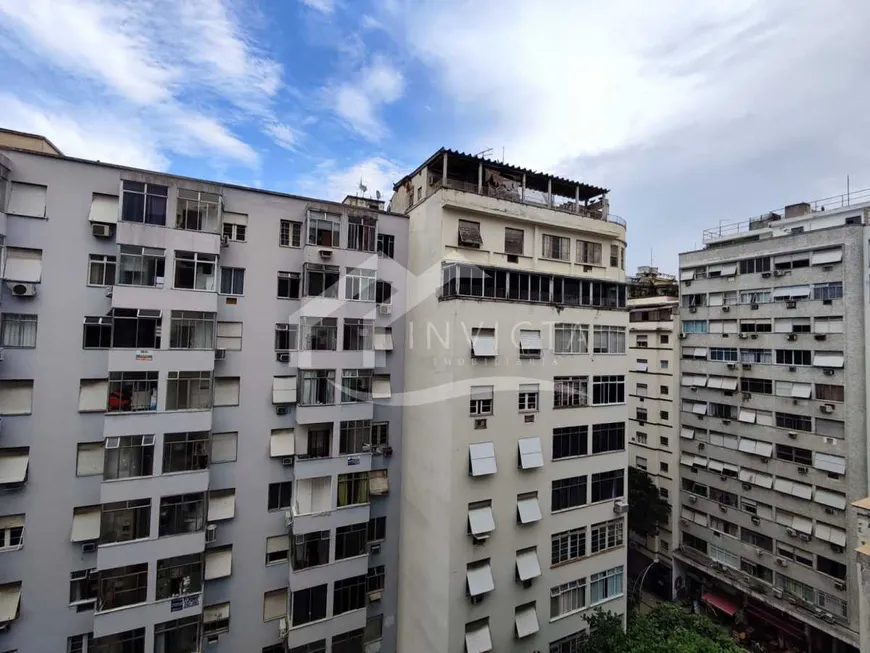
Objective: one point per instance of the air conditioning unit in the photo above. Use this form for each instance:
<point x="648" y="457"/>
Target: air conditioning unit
<point x="723" y="507"/>
<point x="220" y="354"/>
<point x="791" y="532"/>
<point x="288" y="461"/>
<point x="281" y="410"/>
<point x="288" y="518"/>
<point x="620" y="507"/>
<point x="101" y="230"/>
<point x="375" y="596"/>
<point x="747" y="396"/>
<point x="791" y="304"/>
<point x="693" y="498"/>
<point x="743" y="336"/>
<point x="836" y="548"/>
<point x="759" y="552"/>
<point x="374" y="549"/>
<point x="688" y="283"/>
<point x="805" y="538"/>
<point x="693" y="309"/>
<point x="725" y="309"/>
<point x="701" y="446"/>
<point x="791" y="336"/>
<point x="782" y="562"/>
<point x="225" y="241"/>
<point x="385" y="309"/>
<point x="476" y="599"/>
<point x="827" y="302"/>
<point x="388" y="451"/>
<point x="820" y="336"/>
<point x="778" y="273"/>
<point x="283" y="629"/>
<point x="21" y="289"/>
<point x="89" y="547"/>
<point x="683" y="336"/>
<point x="828" y="372"/>
<point x="792" y="368"/>
<point x="109" y="292"/>
<point x="732" y="366"/>
<point x="684" y="521"/>
<point x="746" y="486"/>
<point x="754" y="336"/>
<point x="283" y="357"/>
<point x="803" y="470"/>
<point x="211" y="533"/>
<point x="840" y="586"/>
<point x="753" y="307"/>
<point x="480" y="424"/>
<point x="765" y="275"/>
<point x="755" y="520"/>
<point x="829" y="511"/>
<point x="747" y="366"/>
<point x="325" y="253"/>
<point x="792" y="435"/>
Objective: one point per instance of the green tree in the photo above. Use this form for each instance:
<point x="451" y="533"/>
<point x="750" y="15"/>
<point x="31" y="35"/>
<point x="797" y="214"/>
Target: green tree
<point x="646" y="508"/>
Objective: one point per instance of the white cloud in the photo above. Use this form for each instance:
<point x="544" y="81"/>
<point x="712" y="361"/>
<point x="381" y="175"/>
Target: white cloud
<point x="333" y="181"/>
<point x="283" y="135"/>
<point x="358" y="101"/>
<point x="325" y="6"/>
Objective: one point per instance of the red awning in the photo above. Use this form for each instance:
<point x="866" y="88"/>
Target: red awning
<point x="722" y="604"/>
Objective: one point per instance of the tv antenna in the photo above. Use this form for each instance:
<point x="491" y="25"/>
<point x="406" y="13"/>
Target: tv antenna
<point x="485" y="153"/>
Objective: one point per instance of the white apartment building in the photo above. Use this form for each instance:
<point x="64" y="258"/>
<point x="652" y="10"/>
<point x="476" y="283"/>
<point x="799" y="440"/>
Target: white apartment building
<point x="773" y="445"/>
<point x="653" y="407"/>
<point x="514" y="458"/>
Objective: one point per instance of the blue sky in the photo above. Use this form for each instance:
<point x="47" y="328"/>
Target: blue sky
<point x="692" y="113"/>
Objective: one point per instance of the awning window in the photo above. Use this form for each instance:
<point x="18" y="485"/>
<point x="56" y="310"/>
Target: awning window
<point x="756" y="447"/>
<point x="729" y="383"/>
<point x="218" y="563"/>
<point x="28" y="200"/>
<point x="469" y="233"/>
<point x="715" y="466"/>
<point x="383" y="340"/>
<point x="531" y="455"/>
<point x="477" y="638"/>
<point x="687" y="433"/>
<point x="479" y="578"/>
<point x="687" y="459"/>
<point x="724" y="270"/>
<point x="481" y="392"/>
<point x="284" y="390"/>
<point x="828" y="498"/>
<point x="756" y="478"/>
<point x="216" y="612"/>
<point x="829" y="359"/>
<point x="10" y="598"/>
<point x="528" y="509"/>
<point x="687" y="275"/>
<point x="221" y="505"/>
<point x="801" y="390"/>
<point x="104" y="209"/>
<point x="92" y="394"/>
<point x="526" y="621"/>
<point x="483" y="343"/>
<point x="381" y="387"/>
<point x="800" y="524"/>
<point x="699" y="461"/>
<point x="23" y="265"/>
<point x="234" y="218"/>
<point x="828" y="463"/>
<point x="480" y="521"/>
<point x="530" y="341"/>
<point x="699" y="408"/>
<point x="13" y="469"/>
<point x="793" y="488"/>
<point x="796" y="292"/>
<point x="528" y="566"/>
<point x="86" y="524"/>
<point x="830" y="534"/>
<point x="482" y="459"/>
<point x="277" y="543"/>
<point x="379" y="482"/>
<point x="282" y="443"/>
<point x="747" y="416"/>
<point x="728" y="467"/>
<point x="694" y="380"/>
<point x="826" y="256"/>
<point x="717" y="299"/>
<point x="641" y="366"/>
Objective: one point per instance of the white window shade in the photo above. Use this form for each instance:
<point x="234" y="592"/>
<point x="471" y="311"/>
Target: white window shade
<point x="786" y="486"/>
<point x="728" y="467"/>
<point x="687" y="459"/>
<point x="379" y="482"/>
<point x="687" y="275"/>
<point x="383" y="340"/>
<point x="641" y="366"/>
<point x="381" y="387"/>
<point x="797" y="292"/>
<point x="482" y="458"/>
<point x="530" y="340"/>
<point x="86" y="524"/>
<point x="10" y="598"/>
<point x="282" y="442"/>
<point x="830" y="534"/>
<point x="725" y="270"/>
<point x="531" y="455"/>
<point x="755" y="478"/>
<point x="528" y="566"/>
<point x="699" y="408"/>
<point x="221" y="506"/>
<point x="699" y="461"/>
<point x="13" y="469"/>
<point x="528" y="509"/>
<point x="747" y="416"/>
<point x="284" y="390"/>
<point x="483" y="345"/>
<point x="477" y="639"/>
<point x="226" y="391"/>
<point x="526" y="621"/>
<point x="479" y="579"/>
<point x="218" y="563"/>
<point x="717" y="299"/>
<point x="729" y="383"/>
<point x="274" y="604"/>
<point x="234" y="218"/>
<point x="828" y="463"/>
<point x="216" y="612"/>
<point x="229" y="335"/>
<point x="828" y="498"/>
<point x="27" y="200"/>
<point x="224" y="447"/>
<point x="801" y="390"/>
<point x="480" y="521"/>
<point x="756" y="447"/>
<point x="89" y="459"/>
<point x="277" y="544"/>
<point x="693" y="380"/>
<point x="23" y="265"/>
<point x="826" y="256"/>
<point x="93" y="394"/>
<point x="715" y="466"/>
<point x="687" y="433"/>
<point x="829" y="325"/>
<point x="829" y="359"/>
<point x="481" y="392"/>
<point x="104" y="209"/>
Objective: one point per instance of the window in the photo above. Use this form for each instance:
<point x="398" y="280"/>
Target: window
<point x="794" y="422"/>
<point x="229" y="336"/>
<point x="141" y="266"/>
<point x="136" y="328"/>
<point x="469" y="234"/>
<point x="530" y="343"/>
<point x="358" y="335"/>
<point x="568" y="644"/>
<point x="514" y="241"/>
<point x="641" y="342"/>
<point x="760" y="356"/>
<point x="132" y="391"/>
<point x="663" y="340"/>
<point x="286" y="337"/>
<point x="77" y="643"/>
<point x="641" y="415"/>
<point x="128" y="456"/>
<point x="794" y="454"/>
<point x="235" y="231"/>
<point x="694" y="326"/>
<point x="353" y="489"/>
<point x="761" y="386"/>
<point x="723" y="354"/>
<point x="191" y="330"/>
<point x="608" y="340"/>
<point x="377" y="530"/>
<point x="567" y="598"/>
<point x="350" y="541"/>
<point x="97" y="332"/>
<point x="481" y="400"/>
<point x="386" y="245"/>
<point x="567" y="546"/>
<point x="320" y="334"/>
<point x="568" y="493"/>
<point x="614" y="256"/>
<point x="796" y="588"/>
<point x="380" y="434"/>
<point x="195" y="271"/>
<point x="828" y="291"/>
<point x="664" y="390"/>
<point x="570" y="338"/>
<point x="182" y="513"/>
<point x="124" y="521"/>
<point x="324" y="229"/>
<point x="755" y="326"/>
<point x="608" y="390"/>
<point x="608" y="437"/>
<point x="277" y="549"/>
<point x="361" y="233"/>
<point x="308" y="605"/>
<point x="831" y="567"/>
<point x="11" y="532"/>
<point x="606" y="535"/>
<point x="374" y="629"/>
<point x="232" y="281"/>
<point x="588" y="253"/>
<point x="101" y="270"/>
<point x="383" y="292"/>
<point x="310" y="550"/>
<point x="663" y="441"/>
<point x="274" y="604"/>
<point x="569" y="441"/>
<point x="144" y="203"/>
<point x="289" y="285"/>
<point x="556" y="247"/>
<point x="349" y="594"/>
<point x="18" y="330"/>
<point x="376" y="578"/>
<point x="179" y="576"/>
<point x="608" y="485"/>
<point x="570" y="391"/>
<point x="318" y="387"/>
<point x="756" y="539"/>
<point x="723" y="526"/>
<point x="605" y="585"/>
<point x="794" y="357"/>
<point x="352" y="641"/>
<point x="189" y="391"/>
<point x="663" y="364"/>
<point x="354" y="436"/>
<point x="641" y="438"/>
<point x="290" y="234"/>
<point x="360" y="284"/>
<point x="528" y="396"/>
<point x="827" y="392"/>
<point x="640" y="462"/>
<point x="356" y="386"/>
<point x="321" y="280"/>
<point x="224" y="447"/>
<point x="280" y="495"/>
<point x="754" y="265"/>
<point x="185" y="452"/>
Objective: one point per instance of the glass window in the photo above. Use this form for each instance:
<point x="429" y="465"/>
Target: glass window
<point x="144" y="203"/>
<point x="232" y="281"/>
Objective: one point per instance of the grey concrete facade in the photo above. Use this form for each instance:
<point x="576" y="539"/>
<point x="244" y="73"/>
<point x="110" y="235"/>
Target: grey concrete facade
<point x="774" y="419"/>
<point x="243" y="398"/>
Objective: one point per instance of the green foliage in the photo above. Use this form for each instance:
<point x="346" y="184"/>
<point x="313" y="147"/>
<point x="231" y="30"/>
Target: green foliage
<point x="646" y="508"/>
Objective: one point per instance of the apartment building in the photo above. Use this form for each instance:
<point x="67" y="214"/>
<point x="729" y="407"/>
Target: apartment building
<point x="773" y="444"/>
<point x="198" y="446"/>
<point x="653" y="407"/>
<point x="513" y="495"/>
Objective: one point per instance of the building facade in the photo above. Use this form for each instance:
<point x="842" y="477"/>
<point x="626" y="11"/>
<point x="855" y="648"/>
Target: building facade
<point x="773" y="444"/>
<point x="198" y="440"/>
<point x="513" y="500"/>
<point x="653" y="407"/>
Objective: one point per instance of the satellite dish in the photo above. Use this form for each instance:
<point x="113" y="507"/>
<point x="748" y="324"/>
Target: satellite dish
<point x="378" y="194"/>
